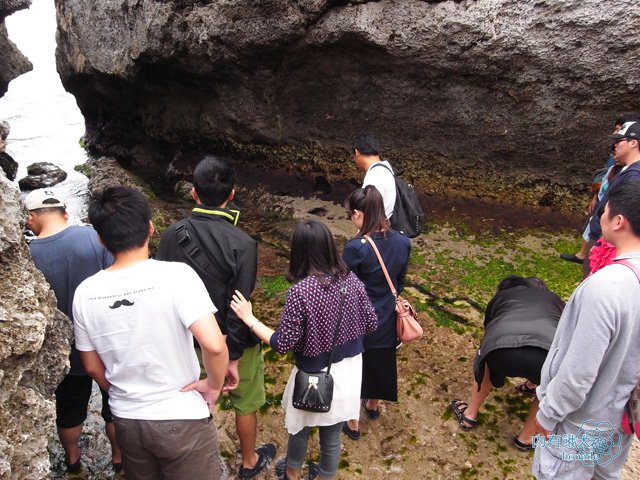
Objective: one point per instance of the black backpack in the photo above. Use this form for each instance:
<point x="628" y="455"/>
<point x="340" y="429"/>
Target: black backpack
<point x="408" y="217"/>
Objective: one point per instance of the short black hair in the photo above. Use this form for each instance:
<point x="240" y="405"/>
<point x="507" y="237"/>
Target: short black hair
<point x="46" y="210"/>
<point x="513" y="281"/>
<point x="366" y="144"/>
<point x="213" y="180"/>
<point x="624" y="199"/>
<point x="369" y="201"/>
<point x="313" y="250"/>
<point x="536" y="282"/>
<point x="121" y="217"/>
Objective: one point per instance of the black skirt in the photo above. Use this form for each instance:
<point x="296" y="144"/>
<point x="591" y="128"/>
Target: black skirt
<point x="523" y="362"/>
<point x="380" y="374"/>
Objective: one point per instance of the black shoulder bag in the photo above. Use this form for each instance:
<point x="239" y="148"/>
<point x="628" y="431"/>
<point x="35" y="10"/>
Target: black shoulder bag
<point x="313" y="392"/>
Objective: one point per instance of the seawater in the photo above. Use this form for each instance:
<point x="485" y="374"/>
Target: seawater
<point x="46" y="124"/>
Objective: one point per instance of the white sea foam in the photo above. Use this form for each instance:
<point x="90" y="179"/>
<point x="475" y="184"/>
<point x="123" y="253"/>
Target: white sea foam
<point x="46" y="124"/>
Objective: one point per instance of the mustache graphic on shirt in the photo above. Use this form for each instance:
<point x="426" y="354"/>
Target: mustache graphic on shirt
<point x="120" y="303"/>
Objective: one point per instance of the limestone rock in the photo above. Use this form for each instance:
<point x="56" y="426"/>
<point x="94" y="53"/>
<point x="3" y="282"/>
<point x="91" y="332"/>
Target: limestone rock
<point x="106" y="172"/>
<point x="12" y="62"/>
<point x="467" y="96"/>
<point x="34" y="349"/>
<point x="182" y="189"/>
<point x="42" y="175"/>
<point x="8" y="165"/>
<point x="4" y="129"/>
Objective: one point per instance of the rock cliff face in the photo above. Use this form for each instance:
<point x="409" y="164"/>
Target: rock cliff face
<point x="493" y="97"/>
<point x="34" y="349"/>
<point x="12" y="62"/>
<point x="34" y="336"/>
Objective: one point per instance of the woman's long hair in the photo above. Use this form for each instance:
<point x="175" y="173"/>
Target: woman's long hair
<point x="313" y="251"/>
<point x="368" y="200"/>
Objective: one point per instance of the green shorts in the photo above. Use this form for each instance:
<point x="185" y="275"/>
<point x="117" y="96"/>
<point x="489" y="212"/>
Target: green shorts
<point x="249" y="395"/>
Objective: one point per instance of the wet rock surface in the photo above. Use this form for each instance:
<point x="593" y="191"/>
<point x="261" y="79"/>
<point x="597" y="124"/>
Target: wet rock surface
<point x="498" y="98"/>
<point x="5" y="128"/>
<point x="182" y="190"/>
<point x="12" y="62"/>
<point x="42" y="175"/>
<point x="8" y="165"/>
<point x="34" y="349"/>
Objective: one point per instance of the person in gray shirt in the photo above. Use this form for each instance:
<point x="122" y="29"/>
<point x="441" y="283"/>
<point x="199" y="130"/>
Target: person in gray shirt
<point x="67" y="255"/>
<point x="594" y="360"/>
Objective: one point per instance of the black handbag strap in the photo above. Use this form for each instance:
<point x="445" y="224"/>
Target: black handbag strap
<point x="343" y="294"/>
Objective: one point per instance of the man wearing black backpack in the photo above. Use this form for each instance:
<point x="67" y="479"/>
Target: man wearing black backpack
<point x="401" y="204"/>
<point x="366" y="153"/>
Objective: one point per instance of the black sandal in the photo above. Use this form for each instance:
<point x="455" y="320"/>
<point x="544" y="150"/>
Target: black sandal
<point x="458" y="408"/>
<point x="526" y="389"/>
<point x="523" y="447"/>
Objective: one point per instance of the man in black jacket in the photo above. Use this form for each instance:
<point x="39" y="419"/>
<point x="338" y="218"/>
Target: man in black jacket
<point x="225" y="258"/>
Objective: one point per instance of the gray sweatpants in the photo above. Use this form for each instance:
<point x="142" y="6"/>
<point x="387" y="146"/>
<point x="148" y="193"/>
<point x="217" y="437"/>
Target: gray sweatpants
<point x="568" y="463"/>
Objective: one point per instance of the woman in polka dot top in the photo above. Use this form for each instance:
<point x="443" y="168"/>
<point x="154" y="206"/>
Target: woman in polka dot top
<point x="307" y="327"/>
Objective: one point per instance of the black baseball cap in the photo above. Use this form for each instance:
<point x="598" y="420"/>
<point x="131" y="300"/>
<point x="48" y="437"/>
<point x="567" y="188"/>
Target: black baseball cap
<point x="629" y="130"/>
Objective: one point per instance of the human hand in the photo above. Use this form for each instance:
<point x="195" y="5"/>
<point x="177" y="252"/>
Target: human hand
<point x="232" y="378"/>
<point x="540" y="430"/>
<point x="242" y="307"/>
<point x="203" y="387"/>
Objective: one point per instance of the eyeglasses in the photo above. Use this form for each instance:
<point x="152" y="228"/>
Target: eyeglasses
<point x="623" y="139"/>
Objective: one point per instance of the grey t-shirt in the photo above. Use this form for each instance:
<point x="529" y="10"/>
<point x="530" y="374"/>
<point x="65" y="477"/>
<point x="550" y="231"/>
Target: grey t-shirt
<point x="66" y="259"/>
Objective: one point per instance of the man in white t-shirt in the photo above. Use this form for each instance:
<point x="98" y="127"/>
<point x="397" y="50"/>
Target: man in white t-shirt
<point x="134" y="328"/>
<point x="366" y="153"/>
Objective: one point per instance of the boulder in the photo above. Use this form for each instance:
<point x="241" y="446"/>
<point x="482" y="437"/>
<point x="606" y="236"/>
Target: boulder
<point x="105" y="172"/>
<point x="502" y="98"/>
<point x="4" y="129"/>
<point x="12" y="62"/>
<point x="34" y="349"/>
<point x="8" y="165"/>
<point x="42" y="175"/>
<point x="182" y="189"/>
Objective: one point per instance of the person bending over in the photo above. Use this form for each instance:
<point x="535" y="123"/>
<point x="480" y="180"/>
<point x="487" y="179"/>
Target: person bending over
<point x="520" y="322"/>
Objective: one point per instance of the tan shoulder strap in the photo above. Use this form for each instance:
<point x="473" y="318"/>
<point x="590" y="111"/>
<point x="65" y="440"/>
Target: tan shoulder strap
<point x="384" y="268"/>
